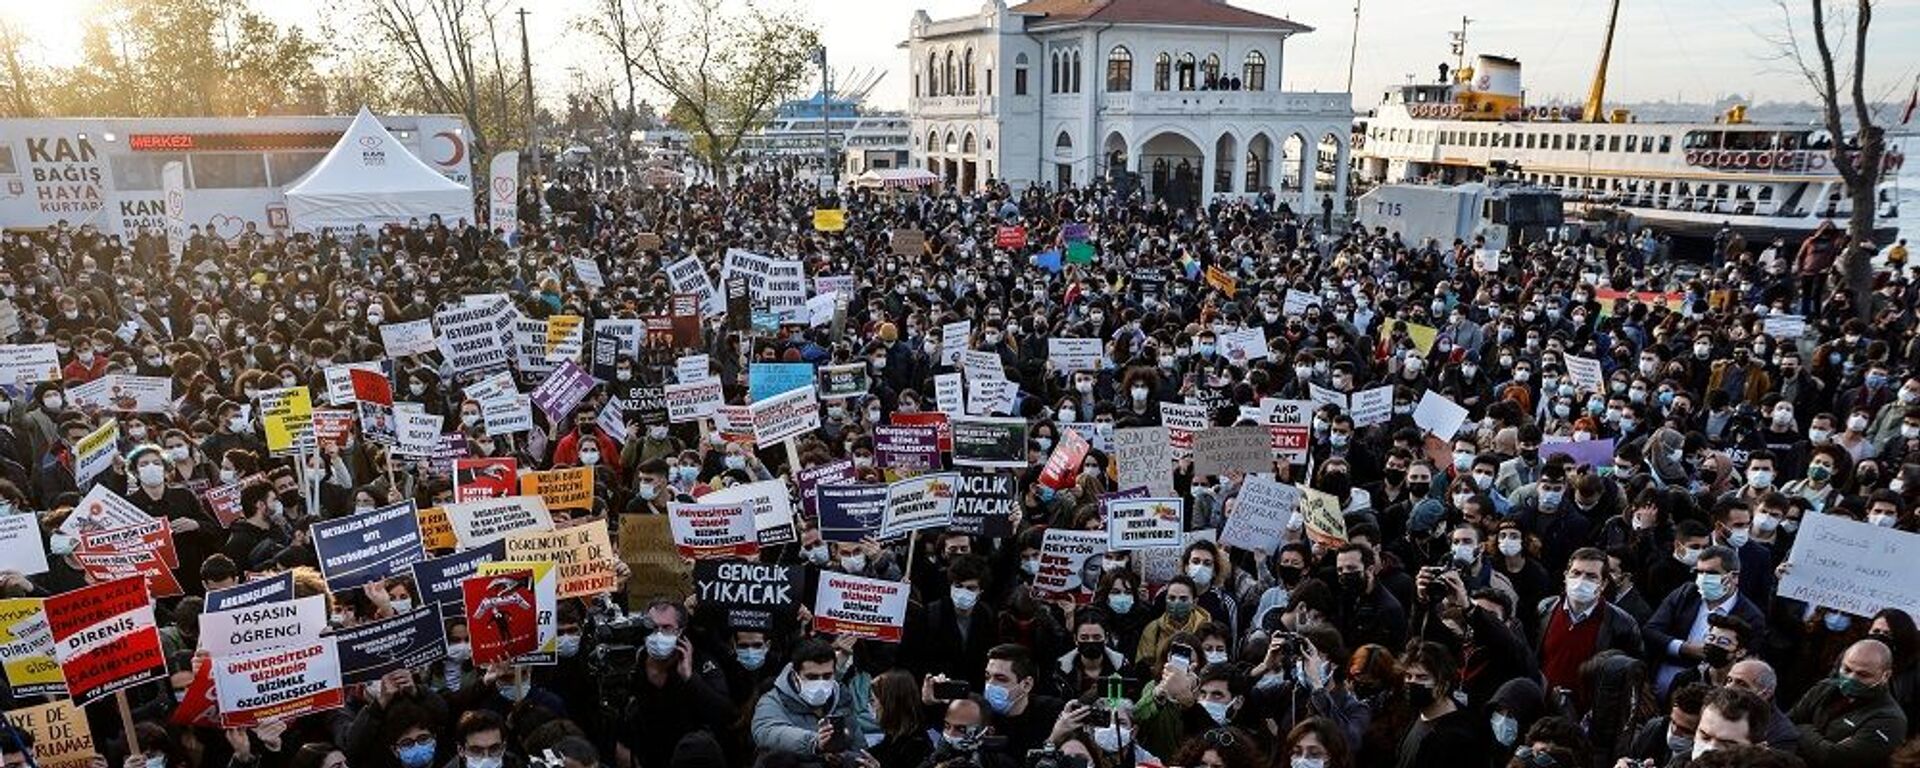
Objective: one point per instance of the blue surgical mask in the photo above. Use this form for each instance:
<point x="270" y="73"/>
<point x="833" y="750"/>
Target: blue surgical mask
<point x="416" y="755"/>
<point x="1712" y="586"/>
<point x="1120" y="602"/>
<point x="999" y="697"/>
<point x="751" y="659"/>
<point x="1836" y="621"/>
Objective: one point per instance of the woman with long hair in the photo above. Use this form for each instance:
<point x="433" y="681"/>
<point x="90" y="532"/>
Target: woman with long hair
<point x="1316" y="743"/>
<point x="895" y="702"/>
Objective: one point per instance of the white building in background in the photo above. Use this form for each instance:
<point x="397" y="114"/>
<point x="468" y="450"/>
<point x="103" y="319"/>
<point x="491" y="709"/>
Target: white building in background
<point x="1184" y="93"/>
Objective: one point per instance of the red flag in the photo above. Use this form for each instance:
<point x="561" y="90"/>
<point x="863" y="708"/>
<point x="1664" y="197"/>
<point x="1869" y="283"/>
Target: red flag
<point x="1913" y="101"/>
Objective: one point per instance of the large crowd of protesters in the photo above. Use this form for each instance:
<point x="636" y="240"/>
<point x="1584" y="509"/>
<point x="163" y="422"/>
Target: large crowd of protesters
<point x="1487" y="607"/>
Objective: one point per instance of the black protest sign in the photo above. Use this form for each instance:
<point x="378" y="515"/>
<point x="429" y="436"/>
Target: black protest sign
<point x="412" y="639"/>
<point x="985" y="505"/>
<point x="648" y="405"/>
<point x="750" y="594"/>
<point x="739" y="304"/>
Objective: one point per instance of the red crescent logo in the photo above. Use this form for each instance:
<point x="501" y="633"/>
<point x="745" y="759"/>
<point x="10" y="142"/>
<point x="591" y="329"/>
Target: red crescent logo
<point x="459" y="148"/>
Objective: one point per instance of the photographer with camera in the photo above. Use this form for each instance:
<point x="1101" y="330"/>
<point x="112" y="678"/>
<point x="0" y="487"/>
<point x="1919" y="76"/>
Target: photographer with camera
<point x="966" y="740"/>
<point x="808" y="714"/>
<point x="1108" y="723"/>
<point x="1298" y="679"/>
<point x="1477" y="625"/>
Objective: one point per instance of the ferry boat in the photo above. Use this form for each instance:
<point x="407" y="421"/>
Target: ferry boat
<point x="1765" y="181"/>
<point x="864" y="139"/>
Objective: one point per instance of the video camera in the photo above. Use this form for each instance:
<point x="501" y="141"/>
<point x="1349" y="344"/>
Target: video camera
<point x="964" y="752"/>
<point x="1050" y="756"/>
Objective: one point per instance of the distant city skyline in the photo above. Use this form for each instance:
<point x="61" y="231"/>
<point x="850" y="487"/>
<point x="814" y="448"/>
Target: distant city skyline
<point x="1694" y="52"/>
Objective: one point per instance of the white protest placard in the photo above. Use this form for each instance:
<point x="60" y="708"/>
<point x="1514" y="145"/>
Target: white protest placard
<point x="692" y="369"/>
<point x="856" y="606"/>
<point x="484" y="521"/>
<point x="1486" y="260"/>
<point x="990" y="396"/>
<point x="1297" y="302"/>
<point x="102" y="510"/>
<point x="1143" y="457"/>
<point x="1785" y="328"/>
<point x="125" y="393"/>
<point x="1259" y="518"/>
<point x="280" y="683"/>
<point x="1372" y="406"/>
<point x="714" y="530"/>
<point x="1063" y="560"/>
<point x="947" y="394"/>
<point x="1439" y="415"/>
<point x="267" y="625"/>
<point x="919" y="502"/>
<point x="1243" y="346"/>
<point x="1183" y="422"/>
<point x="1327" y="396"/>
<point x="1585" y="373"/>
<point x="416" y="432"/>
<point x="340" y="380"/>
<point x="588" y="271"/>
<point x="414" y="337"/>
<point x="772" y="508"/>
<point x="1069" y="355"/>
<point x="1850" y="566"/>
<point x="693" y="402"/>
<point x="26" y="364"/>
<point x="20" y="544"/>
<point x="688" y="275"/>
<point x="1145" y="523"/>
<point x="953" y="341"/>
<point x="785" y="416"/>
<point x="475" y="338"/>
<point x="819" y="310"/>
<point x="981" y="365"/>
<point x="94" y="453"/>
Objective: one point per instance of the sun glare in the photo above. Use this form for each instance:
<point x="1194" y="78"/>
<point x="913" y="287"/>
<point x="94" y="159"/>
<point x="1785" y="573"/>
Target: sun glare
<point x="50" y="30"/>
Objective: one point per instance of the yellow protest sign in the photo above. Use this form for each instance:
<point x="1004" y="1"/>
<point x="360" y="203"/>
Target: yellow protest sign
<point x="829" y="219"/>
<point x="583" y="551"/>
<point x="1225" y="283"/>
<point x="1325" y="523"/>
<point x="563" y="329"/>
<point x="1423" y="336"/>
<point x="286" y="415"/>
<point x="646" y="545"/>
<point x="28" y="649"/>
<point x="561" y="488"/>
<point x="61" y="736"/>
<point x="435" y="531"/>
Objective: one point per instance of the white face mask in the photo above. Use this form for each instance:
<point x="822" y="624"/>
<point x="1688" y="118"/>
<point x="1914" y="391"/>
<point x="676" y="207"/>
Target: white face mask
<point x="1112" y="738"/>
<point x="589" y="458"/>
<point x="817" y="692"/>
<point x="153" y="474"/>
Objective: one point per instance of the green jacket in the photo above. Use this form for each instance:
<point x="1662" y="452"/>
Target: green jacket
<point x="1840" y="733"/>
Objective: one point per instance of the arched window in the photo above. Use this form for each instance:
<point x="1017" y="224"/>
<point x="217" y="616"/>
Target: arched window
<point x="966" y="72"/>
<point x="1210" y="71"/>
<point x="1162" y="71"/>
<point x="1119" y="69"/>
<point x="1255" y="74"/>
<point x="968" y="145"/>
<point x="1053" y="82"/>
<point x="933" y="73"/>
<point x="1020" y="75"/>
<point x="1063" y="144"/>
<point x="933" y="141"/>
<point x="947" y="83"/>
<point x="952" y="145"/>
<point x="1076" y="70"/>
<point x="1186" y="72"/>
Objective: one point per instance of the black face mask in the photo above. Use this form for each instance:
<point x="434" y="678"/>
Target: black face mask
<point x="1717" y="656"/>
<point x="1289" y="573"/>
<point x="1419" y="696"/>
<point x="1394" y="476"/>
<point x="1353" y="583"/>
<point x="1090" y="649"/>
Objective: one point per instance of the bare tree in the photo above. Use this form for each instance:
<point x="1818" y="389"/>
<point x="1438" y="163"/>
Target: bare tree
<point x="723" y="73"/>
<point x="611" y="23"/>
<point x="1859" y="161"/>
<point x="446" y="47"/>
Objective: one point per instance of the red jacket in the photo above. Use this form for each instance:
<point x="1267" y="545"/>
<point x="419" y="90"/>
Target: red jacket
<point x="567" y="452"/>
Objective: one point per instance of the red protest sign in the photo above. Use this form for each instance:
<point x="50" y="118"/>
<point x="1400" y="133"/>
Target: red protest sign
<point x="489" y="478"/>
<point x="154" y="536"/>
<point x="198" y="707"/>
<point x="108" y="566"/>
<point x="371" y="387"/>
<point x="934" y="419"/>
<point x="105" y="639"/>
<point x="1010" y="237"/>
<point x="1063" y="466"/>
<point x="502" y="620"/>
<point x="224" y="501"/>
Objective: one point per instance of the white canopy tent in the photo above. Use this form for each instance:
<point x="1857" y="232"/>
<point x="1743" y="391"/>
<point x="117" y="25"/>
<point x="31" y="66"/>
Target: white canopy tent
<point x="369" y="178"/>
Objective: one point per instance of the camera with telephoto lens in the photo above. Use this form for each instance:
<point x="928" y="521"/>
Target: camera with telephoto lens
<point x="1292" y="646"/>
<point x="964" y="752"/>
<point x="1050" y="756"/>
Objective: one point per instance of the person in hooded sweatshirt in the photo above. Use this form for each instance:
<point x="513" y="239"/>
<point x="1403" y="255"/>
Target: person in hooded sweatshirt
<point x="1512" y="709"/>
<point x="808" y="713"/>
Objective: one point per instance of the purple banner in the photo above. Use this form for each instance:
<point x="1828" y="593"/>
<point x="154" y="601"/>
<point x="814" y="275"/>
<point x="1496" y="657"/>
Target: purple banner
<point x="810" y="479"/>
<point x="907" y="449"/>
<point x="563" y="390"/>
<point x="1075" y="232"/>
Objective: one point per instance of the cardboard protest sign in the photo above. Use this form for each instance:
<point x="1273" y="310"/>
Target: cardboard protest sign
<point x="94" y="453"/>
<point x="487" y="478"/>
<point x="404" y="641"/>
<point x="124" y="393"/>
<point x="546" y="590"/>
<point x="1063" y="465"/>
<point x="907" y="449"/>
<point x="1069" y="561"/>
<point x="482" y="522"/>
<point x="1326" y="524"/>
<point x="646" y="545"/>
<point x="437" y="580"/>
<point x="278" y="684"/>
<point x="990" y="442"/>
<point x="1422" y="336"/>
<point x="369" y="546"/>
<point x="751" y="595"/>
<point x="251" y="628"/>
<point x="24" y="365"/>
<point x="1439" y="415"/>
<point x="270" y="589"/>
<point x="859" y="607"/>
<point x="703" y="531"/>
<point x="62" y="738"/>
<point x="920" y="502"/>
<point x="1143" y="456"/>
<point x="409" y="338"/>
<point x="985" y="504"/>
<point x="1242" y="347"/>
<point x="560" y="488"/>
<point x="26" y="649"/>
<point x="582" y="552"/>
<point x="1218" y="279"/>
<point x="562" y="391"/>
<point x="105" y="639"/>
<point x="1220" y="450"/>
<point x="416" y="432"/>
<point x="1852" y="567"/>
<point x="772" y="508"/>
<point x="785" y="416"/>
<point x="850" y="513"/>
<point x="435" y="532"/>
<point x="1372" y="406"/>
<point x="1259" y="519"/>
<point x="906" y="242"/>
<point x="1145" y="523"/>
<point x="21" y="548"/>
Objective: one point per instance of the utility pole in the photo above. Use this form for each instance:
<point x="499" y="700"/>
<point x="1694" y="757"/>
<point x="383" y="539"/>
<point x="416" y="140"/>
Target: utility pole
<point x="826" y="118"/>
<point x="1353" y="48"/>
<point x="1460" y="44"/>
<point x="533" y="112"/>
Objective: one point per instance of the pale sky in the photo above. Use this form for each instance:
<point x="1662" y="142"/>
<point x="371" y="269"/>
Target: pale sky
<point x="1694" y="50"/>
